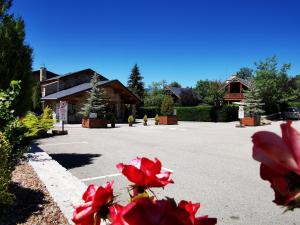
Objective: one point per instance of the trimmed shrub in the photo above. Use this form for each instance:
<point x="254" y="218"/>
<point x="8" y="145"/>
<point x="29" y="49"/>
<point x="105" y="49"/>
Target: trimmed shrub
<point x="208" y="113"/>
<point x="145" y="118"/>
<point x="156" y="118"/>
<point x="6" y="168"/>
<point x="130" y="119"/>
<point x="197" y="113"/>
<point x="167" y="106"/>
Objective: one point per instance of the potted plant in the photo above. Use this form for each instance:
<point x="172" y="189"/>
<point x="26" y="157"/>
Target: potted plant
<point x="167" y="111"/>
<point x="94" y="110"/>
<point x="252" y="108"/>
<point x="156" y="119"/>
<point x="130" y="120"/>
<point x="145" y="120"/>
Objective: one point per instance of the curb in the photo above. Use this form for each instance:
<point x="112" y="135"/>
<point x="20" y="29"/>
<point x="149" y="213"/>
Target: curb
<point x="65" y="189"/>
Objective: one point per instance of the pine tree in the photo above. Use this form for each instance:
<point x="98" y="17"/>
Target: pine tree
<point x="135" y="83"/>
<point x="167" y="106"/>
<point x="253" y="102"/>
<point x="15" y="57"/>
<point x="97" y="102"/>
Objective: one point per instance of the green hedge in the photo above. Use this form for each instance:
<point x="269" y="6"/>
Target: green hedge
<point x="295" y="104"/>
<point x="208" y="114"/>
<point x="197" y="113"/>
<point x="150" y="111"/>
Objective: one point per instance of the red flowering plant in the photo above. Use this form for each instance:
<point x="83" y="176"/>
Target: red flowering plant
<point x="144" y="208"/>
<point x="280" y="163"/>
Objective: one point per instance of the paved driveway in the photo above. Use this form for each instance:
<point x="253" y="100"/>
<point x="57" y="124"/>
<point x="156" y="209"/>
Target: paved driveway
<point x="212" y="164"/>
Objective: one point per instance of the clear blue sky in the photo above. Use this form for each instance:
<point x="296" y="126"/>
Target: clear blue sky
<point x="180" y="40"/>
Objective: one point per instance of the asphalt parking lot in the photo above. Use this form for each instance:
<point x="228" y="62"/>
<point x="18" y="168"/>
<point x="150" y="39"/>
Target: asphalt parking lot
<point x="212" y="164"/>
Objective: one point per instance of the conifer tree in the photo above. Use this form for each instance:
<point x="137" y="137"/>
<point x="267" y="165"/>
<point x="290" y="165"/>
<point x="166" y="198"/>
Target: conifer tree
<point x="15" y="57"/>
<point x="135" y="82"/>
<point x="97" y="101"/>
<point x="253" y="102"/>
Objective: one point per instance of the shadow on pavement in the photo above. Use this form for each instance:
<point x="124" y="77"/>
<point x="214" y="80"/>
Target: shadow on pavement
<point x="28" y="202"/>
<point x="73" y="160"/>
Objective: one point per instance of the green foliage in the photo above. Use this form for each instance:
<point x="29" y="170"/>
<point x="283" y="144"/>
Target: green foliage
<point x="253" y="102"/>
<point x="294" y="104"/>
<point x="156" y="94"/>
<point x="167" y="106"/>
<point x="210" y="92"/>
<point x="151" y="111"/>
<point x="7" y="99"/>
<point x="15" y="57"/>
<point x="273" y="84"/>
<point x="245" y="73"/>
<point x="175" y="84"/>
<point x="156" y="118"/>
<point x="130" y="119"/>
<point x="38" y="126"/>
<point x="145" y="118"/>
<point x="97" y="101"/>
<point x="135" y="82"/>
<point x="47" y="113"/>
<point x="6" y="168"/>
<point x="197" y="113"/>
<point x="36" y="98"/>
<point x="208" y="113"/>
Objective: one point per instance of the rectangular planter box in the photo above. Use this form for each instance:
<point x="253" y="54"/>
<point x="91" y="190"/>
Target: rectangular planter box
<point x="168" y="120"/>
<point x="94" y="123"/>
<point x="251" y="121"/>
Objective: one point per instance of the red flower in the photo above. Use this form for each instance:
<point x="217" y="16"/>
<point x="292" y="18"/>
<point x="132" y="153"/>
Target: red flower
<point x="280" y="163"/>
<point x="145" y="173"/>
<point x="95" y="206"/>
<point x="148" y="212"/>
<point x="160" y="212"/>
<point x="192" y="209"/>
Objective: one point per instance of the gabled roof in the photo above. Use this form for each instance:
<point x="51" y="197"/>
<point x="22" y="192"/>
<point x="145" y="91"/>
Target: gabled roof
<point x="176" y="90"/>
<point x="49" y="74"/>
<point x="90" y="71"/>
<point x="73" y="90"/>
<point x="234" y="78"/>
<point x="85" y="87"/>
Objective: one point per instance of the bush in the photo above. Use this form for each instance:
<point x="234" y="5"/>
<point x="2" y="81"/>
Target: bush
<point x="6" y="168"/>
<point x="156" y="118"/>
<point x="150" y="111"/>
<point x="197" y="113"/>
<point x="37" y="126"/>
<point x="208" y="113"/>
<point x="130" y="119"/>
<point x="167" y="106"/>
<point x="145" y="118"/>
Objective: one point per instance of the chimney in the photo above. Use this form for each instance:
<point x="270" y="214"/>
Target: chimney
<point x="43" y="74"/>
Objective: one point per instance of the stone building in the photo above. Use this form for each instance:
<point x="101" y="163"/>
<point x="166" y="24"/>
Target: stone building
<point x="72" y="88"/>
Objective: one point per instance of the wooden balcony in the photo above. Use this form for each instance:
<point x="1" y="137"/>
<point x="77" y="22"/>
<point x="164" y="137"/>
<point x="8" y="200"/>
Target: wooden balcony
<point x="234" y="96"/>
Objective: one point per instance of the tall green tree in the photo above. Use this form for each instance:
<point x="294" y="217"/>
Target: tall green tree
<point x="272" y="83"/>
<point x="135" y="82"/>
<point x="175" y="84"/>
<point x="15" y="57"/>
<point x="253" y="102"/>
<point x="210" y="92"/>
<point x="155" y="94"/>
<point x="245" y="73"/>
<point x="97" y="102"/>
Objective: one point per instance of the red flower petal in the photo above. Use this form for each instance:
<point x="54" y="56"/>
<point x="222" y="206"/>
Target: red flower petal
<point x="89" y="193"/>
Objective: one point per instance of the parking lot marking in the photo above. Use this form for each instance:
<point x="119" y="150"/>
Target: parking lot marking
<point x="168" y="170"/>
<point x="101" y="177"/>
<point x="114" y="175"/>
<point x="65" y="143"/>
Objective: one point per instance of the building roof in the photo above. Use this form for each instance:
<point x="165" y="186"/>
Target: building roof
<point x="49" y="74"/>
<point x="74" y="73"/>
<point x="74" y="90"/>
<point x="234" y="78"/>
<point x="87" y="86"/>
<point x="176" y="90"/>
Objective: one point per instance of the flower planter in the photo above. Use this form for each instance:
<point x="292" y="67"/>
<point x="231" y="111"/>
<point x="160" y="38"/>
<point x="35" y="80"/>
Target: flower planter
<point x="94" y="123"/>
<point x="251" y="121"/>
<point x="145" y="123"/>
<point x="168" y="120"/>
<point x="130" y="124"/>
<point x="156" y="122"/>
